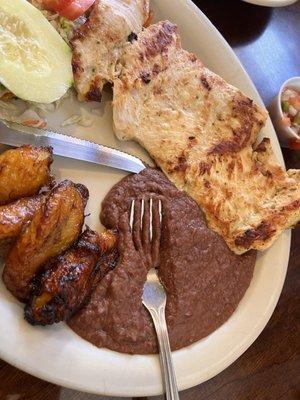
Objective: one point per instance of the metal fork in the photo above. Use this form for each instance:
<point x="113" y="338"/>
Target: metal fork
<point x="145" y="223"/>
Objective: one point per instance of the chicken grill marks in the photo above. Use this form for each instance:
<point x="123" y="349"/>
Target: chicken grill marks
<point x="97" y="44"/>
<point x="69" y="278"/>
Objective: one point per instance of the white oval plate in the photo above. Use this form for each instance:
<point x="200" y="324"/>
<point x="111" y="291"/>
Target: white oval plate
<point x="58" y="355"/>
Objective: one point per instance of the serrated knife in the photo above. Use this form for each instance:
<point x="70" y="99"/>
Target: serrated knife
<point x="16" y="135"/>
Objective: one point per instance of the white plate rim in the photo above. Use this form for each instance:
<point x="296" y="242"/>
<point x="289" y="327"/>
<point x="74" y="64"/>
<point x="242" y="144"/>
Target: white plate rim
<point x="192" y="379"/>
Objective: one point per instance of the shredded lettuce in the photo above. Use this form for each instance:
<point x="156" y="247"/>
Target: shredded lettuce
<point x="16" y="111"/>
<point x="77" y="119"/>
<point x="66" y="24"/>
<point x="65" y="28"/>
<point x="8" y="105"/>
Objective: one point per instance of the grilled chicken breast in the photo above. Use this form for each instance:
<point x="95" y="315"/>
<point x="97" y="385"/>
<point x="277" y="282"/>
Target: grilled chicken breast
<point x="53" y="228"/>
<point x="97" y="45"/>
<point x="201" y="132"/>
<point x="23" y="172"/>
<point x="69" y="278"/>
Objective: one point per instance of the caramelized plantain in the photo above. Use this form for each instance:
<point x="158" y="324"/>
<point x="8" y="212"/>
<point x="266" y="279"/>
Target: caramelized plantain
<point x="54" y="227"/>
<point x="68" y="281"/>
<point x="23" y="172"/>
<point x="13" y="218"/>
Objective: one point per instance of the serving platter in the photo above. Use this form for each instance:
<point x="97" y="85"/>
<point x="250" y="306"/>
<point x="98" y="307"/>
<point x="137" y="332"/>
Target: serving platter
<point x="56" y="353"/>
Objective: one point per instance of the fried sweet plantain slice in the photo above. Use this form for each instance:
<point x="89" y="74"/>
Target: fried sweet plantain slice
<point x="13" y="218"/>
<point x="54" y="227"/>
<point x="23" y="172"/>
<point x="65" y="286"/>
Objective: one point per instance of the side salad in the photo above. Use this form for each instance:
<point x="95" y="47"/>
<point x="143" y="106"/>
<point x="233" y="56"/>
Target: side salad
<point x="290" y="105"/>
<point x="64" y="16"/>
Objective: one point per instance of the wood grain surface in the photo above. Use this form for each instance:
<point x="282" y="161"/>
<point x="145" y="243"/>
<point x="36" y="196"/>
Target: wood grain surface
<point x="267" y="42"/>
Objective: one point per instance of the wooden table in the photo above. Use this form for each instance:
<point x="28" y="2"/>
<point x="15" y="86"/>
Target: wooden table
<point x="267" y="42"/>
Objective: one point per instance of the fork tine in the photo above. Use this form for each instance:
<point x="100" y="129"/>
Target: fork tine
<point x="160" y="210"/>
<point x="146" y="237"/>
<point x="136" y="224"/>
<point x="151" y="219"/>
<point x="146" y="224"/>
<point x="156" y="230"/>
<point x="131" y="215"/>
<point x="142" y="211"/>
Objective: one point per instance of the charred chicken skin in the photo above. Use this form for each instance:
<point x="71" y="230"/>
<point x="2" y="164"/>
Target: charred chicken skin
<point x="23" y="172"/>
<point x="14" y="217"/>
<point x="68" y="280"/>
<point x="54" y="227"/>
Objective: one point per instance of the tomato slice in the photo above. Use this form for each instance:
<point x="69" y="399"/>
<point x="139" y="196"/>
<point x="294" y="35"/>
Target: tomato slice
<point x="294" y="145"/>
<point x="70" y="9"/>
<point x="55" y="5"/>
<point x="75" y="9"/>
<point x="61" y="4"/>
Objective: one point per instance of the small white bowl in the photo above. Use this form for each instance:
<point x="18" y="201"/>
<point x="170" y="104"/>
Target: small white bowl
<point x="285" y="133"/>
<point x="271" y="3"/>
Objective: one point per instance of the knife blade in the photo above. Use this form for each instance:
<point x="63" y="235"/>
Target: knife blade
<point x="16" y="135"/>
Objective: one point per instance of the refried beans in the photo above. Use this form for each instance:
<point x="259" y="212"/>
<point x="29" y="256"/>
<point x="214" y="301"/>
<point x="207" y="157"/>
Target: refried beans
<point x="203" y="279"/>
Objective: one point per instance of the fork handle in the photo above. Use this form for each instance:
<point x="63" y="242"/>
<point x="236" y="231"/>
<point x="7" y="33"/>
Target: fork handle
<point x="165" y="354"/>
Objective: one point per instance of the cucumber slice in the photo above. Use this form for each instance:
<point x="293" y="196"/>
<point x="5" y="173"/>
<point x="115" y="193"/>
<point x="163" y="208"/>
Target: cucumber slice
<point x="35" y="62"/>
